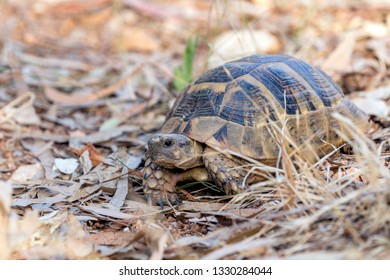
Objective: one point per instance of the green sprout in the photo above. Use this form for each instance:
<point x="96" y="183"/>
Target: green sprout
<point x="183" y="73"/>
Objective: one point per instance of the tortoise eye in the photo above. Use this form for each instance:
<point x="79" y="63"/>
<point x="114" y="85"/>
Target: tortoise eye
<point x="168" y="143"/>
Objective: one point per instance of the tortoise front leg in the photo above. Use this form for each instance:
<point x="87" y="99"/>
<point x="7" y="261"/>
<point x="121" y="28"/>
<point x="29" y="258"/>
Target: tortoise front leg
<point x="226" y="172"/>
<point x="160" y="183"/>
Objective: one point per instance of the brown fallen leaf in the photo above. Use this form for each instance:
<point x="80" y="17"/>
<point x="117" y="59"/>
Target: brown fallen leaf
<point x="76" y="99"/>
<point x="52" y="62"/>
<point x="381" y="49"/>
<point x="72" y="8"/>
<point x="238" y="247"/>
<point x="108" y="212"/>
<point x="94" y="154"/>
<point x="43" y="151"/>
<point x="150" y="9"/>
<point x="16" y="233"/>
<point x="108" y="134"/>
<point x="159" y="246"/>
<point x="122" y="189"/>
<point x="340" y="59"/>
<point x="233" y="211"/>
<point x="25" y="200"/>
<point x="27" y="173"/>
<point x="86" y="162"/>
<point x="5" y="219"/>
<point x="55" y="235"/>
<point x="111" y="238"/>
<point x="21" y="110"/>
<point x="34" y="133"/>
<point x="77" y="243"/>
<point x="83" y="193"/>
<point x="136" y="39"/>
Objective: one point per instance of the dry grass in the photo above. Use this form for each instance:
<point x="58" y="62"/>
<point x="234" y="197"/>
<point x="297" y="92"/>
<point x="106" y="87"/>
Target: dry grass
<point x="326" y="209"/>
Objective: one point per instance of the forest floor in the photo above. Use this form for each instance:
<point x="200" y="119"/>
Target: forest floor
<point x="84" y="84"/>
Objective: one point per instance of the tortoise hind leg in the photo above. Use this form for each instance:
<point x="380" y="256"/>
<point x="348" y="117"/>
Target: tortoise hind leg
<point x="226" y="172"/>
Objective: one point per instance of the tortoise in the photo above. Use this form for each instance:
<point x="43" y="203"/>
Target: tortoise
<point x="234" y="110"/>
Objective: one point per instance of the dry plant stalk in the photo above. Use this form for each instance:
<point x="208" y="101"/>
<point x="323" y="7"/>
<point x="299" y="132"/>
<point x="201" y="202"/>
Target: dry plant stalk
<point x="348" y="213"/>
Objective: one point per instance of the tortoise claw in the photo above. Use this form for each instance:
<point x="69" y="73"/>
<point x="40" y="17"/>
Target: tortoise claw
<point x="167" y="199"/>
<point x="160" y="202"/>
<point x="159" y="185"/>
<point x="161" y="198"/>
<point x="174" y="201"/>
<point x="146" y="175"/>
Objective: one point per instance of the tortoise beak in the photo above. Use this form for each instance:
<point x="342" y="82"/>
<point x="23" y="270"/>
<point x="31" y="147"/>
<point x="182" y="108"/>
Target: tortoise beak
<point x="153" y="145"/>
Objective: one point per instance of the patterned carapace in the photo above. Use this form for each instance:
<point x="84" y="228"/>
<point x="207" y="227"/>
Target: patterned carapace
<point x="233" y="106"/>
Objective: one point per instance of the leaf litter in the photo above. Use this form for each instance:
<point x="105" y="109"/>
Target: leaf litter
<point x="79" y="101"/>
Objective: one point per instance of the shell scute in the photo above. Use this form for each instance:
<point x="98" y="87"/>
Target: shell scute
<point x="245" y="105"/>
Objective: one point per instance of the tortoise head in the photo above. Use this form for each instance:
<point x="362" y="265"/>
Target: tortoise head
<point x="175" y="151"/>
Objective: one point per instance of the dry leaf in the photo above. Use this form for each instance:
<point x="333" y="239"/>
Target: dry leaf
<point x="32" y="172"/>
<point x="82" y="98"/>
<point x="161" y="244"/>
<point x="24" y="201"/>
<point x="77" y="243"/>
<point x="238" y="247"/>
<point x="381" y="49"/>
<point x="372" y="106"/>
<point x="108" y="212"/>
<point x="117" y="238"/>
<point x="19" y="232"/>
<point x="66" y="165"/>
<point x="375" y="29"/>
<point x="122" y="189"/>
<point x="83" y="192"/>
<point x="86" y="162"/>
<point x="231" y="210"/>
<point x="42" y="150"/>
<point x="94" y="154"/>
<point x="236" y="44"/>
<point x="133" y="162"/>
<point x="5" y="198"/>
<point x="27" y="116"/>
<point x="102" y="136"/>
<point x="340" y="59"/>
<point x="136" y="39"/>
<point x="202" y="220"/>
<point x="5" y="217"/>
<point x="21" y="110"/>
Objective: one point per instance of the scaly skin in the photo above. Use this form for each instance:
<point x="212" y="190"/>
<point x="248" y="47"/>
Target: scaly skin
<point x="160" y="183"/>
<point x="226" y="172"/>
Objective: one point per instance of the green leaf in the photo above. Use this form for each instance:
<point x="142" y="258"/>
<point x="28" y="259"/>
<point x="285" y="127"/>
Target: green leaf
<point x="183" y="73"/>
<point x="204" y="183"/>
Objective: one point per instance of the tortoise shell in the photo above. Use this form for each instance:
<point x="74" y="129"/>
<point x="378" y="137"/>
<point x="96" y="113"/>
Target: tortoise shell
<point x="236" y="107"/>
